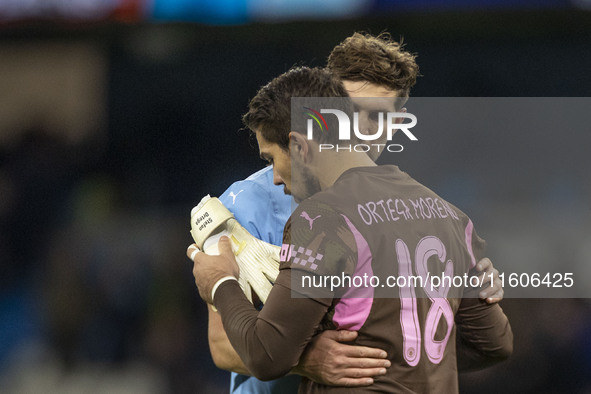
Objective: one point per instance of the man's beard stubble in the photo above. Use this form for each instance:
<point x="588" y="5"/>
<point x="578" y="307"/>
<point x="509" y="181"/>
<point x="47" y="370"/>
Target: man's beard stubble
<point x="304" y="182"/>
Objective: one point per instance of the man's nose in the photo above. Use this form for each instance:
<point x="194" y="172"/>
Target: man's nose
<point x="364" y="124"/>
<point x="277" y="180"/>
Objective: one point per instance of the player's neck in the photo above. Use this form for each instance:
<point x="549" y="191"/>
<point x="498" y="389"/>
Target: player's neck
<point x="335" y="164"/>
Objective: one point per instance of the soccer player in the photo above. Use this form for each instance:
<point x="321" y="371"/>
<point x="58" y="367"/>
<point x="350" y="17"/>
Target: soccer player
<point x="370" y="67"/>
<point x="263" y="209"/>
<point x="329" y="230"/>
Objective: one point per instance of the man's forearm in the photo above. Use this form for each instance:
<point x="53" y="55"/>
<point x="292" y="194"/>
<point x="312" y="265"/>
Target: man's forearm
<point x="270" y="342"/>
<point x="223" y="354"/>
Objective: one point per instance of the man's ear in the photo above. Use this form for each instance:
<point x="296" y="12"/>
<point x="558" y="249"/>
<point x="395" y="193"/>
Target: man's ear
<point x="399" y="120"/>
<point x="299" y="147"/>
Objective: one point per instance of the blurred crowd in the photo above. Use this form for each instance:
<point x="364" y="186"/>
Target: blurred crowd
<point x="96" y="295"/>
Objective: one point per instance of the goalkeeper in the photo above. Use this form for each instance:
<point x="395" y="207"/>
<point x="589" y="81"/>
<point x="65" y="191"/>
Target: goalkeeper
<point x="262" y="208"/>
<point x="257" y="201"/>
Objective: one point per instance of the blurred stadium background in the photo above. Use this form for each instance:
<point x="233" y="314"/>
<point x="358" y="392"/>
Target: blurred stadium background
<point x="117" y="116"/>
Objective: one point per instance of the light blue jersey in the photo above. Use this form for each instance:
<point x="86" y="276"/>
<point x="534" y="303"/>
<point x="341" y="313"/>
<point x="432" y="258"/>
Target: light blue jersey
<point x="263" y="209"/>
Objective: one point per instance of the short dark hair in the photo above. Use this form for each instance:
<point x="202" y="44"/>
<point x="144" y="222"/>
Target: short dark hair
<point x="269" y="112"/>
<point x="379" y="60"/>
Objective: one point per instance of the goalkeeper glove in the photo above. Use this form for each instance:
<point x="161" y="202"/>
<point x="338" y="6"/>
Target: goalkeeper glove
<point x="258" y="260"/>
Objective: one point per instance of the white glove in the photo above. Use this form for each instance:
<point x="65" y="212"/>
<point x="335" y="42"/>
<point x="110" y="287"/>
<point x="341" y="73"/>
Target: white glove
<point x="258" y="260"/>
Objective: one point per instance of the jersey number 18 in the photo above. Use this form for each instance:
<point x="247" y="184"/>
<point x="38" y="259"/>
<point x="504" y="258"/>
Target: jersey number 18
<point x="440" y="307"/>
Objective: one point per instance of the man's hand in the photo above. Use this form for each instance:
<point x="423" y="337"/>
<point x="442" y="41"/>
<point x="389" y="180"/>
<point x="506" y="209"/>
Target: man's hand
<point x="207" y="269"/>
<point x="328" y="361"/>
<point x="258" y="260"/>
<point x="494" y="293"/>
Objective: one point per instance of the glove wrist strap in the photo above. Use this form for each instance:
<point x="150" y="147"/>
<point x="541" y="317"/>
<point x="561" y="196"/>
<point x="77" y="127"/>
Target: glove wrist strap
<point x="206" y="218"/>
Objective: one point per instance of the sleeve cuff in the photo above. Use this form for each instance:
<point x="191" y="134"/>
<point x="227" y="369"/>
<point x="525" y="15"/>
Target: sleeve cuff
<point x="218" y="283"/>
